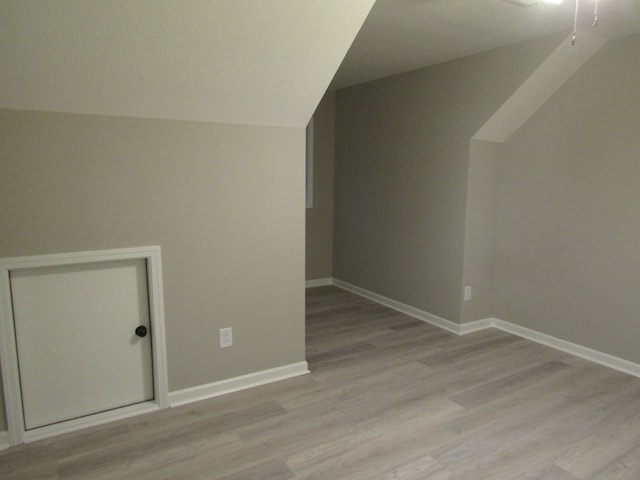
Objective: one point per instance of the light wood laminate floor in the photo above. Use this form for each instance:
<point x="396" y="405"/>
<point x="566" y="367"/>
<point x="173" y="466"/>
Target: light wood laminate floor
<point x="389" y="397"/>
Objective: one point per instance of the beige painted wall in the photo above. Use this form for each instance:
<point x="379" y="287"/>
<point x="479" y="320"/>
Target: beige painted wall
<point x="568" y="256"/>
<point x="319" y="219"/>
<point x="224" y="202"/>
<point x="402" y="151"/>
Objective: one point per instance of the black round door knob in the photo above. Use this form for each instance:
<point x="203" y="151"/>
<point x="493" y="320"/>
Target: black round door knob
<point x="141" y="331"/>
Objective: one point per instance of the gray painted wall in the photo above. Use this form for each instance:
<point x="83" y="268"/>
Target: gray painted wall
<point x="568" y="237"/>
<point x="480" y="227"/>
<point x="3" y="417"/>
<point x="224" y="202"/>
<point x="319" y="219"/>
<point x="402" y="155"/>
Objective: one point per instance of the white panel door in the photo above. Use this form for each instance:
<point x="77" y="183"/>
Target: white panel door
<point x="78" y="351"/>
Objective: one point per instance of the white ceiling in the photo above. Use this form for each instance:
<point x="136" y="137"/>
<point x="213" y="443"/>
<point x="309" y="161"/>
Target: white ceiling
<point x="261" y="62"/>
<point x="403" y="35"/>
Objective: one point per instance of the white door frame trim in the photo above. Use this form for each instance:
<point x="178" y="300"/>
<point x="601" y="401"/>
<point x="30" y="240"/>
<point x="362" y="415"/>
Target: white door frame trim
<point x="8" y="353"/>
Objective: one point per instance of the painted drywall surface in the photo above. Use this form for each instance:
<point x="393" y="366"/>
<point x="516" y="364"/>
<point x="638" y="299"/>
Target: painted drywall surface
<point x="482" y="180"/>
<point x="479" y="236"/>
<point x="224" y="202"/>
<point x="319" y="219"/>
<point x="402" y="151"/>
<point x="230" y="61"/>
<point x="561" y="64"/>
<point x="3" y="418"/>
<point x="567" y="256"/>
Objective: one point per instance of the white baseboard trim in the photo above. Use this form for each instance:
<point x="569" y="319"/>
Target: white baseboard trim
<point x="447" y="325"/>
<point x="4" y="440"/>
<point x="475" y="326"/>
<point x="89" y="421"/>
<point x="594" y="356"/>
<point x="319" y="282"/>
<point x="215" y="389"/>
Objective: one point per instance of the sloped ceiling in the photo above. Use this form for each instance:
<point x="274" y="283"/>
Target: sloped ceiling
<point x="254" y="62"/>
<point x="403" y="35"/>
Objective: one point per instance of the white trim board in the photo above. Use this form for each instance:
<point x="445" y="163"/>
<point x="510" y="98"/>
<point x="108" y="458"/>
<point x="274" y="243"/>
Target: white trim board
<point x="8" y="352"/>
<point x="215" y="389"/>
<point x="4" y="440"/>
<point x="319" y="282"/>
<point x="594" y="356"/>
<point x="443" y="323"/>
<point x="89" y="421"/>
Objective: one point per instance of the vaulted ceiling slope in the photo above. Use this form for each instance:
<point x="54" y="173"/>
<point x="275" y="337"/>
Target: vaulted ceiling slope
<point x="403" y="35"/>
<point x="252" y="62"/>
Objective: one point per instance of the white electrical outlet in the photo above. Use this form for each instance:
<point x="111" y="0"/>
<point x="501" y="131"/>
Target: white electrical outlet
<point x="467" y="293"/>
<point x="226" y="337"/>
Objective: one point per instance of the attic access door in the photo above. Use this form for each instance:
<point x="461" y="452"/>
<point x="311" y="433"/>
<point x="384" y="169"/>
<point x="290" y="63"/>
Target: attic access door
<point x="82" y="340"/>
